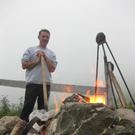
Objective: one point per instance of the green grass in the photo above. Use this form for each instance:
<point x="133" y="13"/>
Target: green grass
<point x="6" y="109"/>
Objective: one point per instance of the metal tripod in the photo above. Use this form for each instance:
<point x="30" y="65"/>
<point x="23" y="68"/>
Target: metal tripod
<point x="101" y="39"/>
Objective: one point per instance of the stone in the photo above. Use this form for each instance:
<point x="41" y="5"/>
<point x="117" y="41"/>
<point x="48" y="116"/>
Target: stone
<point x="41" y="114"/>
<point x="89" y="119"/>
<point x="7" y="124"/>
<point x="129" y="113"/>
<point x="18" y="129"/>
<point x="2" y="130"/>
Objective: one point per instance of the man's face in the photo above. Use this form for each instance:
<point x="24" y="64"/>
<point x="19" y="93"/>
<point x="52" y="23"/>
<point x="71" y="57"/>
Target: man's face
<point x="44" y="38"/>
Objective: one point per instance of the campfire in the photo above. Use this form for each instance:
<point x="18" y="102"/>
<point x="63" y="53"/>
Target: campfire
<point x="76" y="97"/>
<point x="100" y="97"/>
<point x="85" y="99"/>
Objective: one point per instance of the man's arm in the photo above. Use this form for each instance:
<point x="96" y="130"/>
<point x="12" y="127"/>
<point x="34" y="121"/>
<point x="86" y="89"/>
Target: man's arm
<point x="50" y="65"/>
<point x="29" y="65"/>
<point x="26" y="63"/>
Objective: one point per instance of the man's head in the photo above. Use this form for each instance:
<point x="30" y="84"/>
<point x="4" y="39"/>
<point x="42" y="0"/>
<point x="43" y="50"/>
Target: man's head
<point x="43" y="30"/>
<point x="44" y="36"/>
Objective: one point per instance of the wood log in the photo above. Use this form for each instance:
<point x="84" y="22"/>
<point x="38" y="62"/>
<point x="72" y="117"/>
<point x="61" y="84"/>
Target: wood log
<point x="108" y="84"/>
<point x="117" y="86"/>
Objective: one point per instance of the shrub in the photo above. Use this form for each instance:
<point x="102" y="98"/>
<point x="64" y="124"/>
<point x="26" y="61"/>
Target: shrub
<point x="10" y="110"/>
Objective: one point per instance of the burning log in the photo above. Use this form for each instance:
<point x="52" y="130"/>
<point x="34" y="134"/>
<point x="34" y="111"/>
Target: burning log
<point x="84" y="97"/>
<point x="77" y="98"/>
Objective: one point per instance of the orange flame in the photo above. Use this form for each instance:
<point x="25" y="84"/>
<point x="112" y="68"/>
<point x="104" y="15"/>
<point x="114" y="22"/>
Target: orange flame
<point x="101" y="83"/>
<point x="98" y="99"/>
<point x="88" y="92"/>
<point x="67" y="89"/>
<point x="57" y="106"/>
<point x="93" y="70"/>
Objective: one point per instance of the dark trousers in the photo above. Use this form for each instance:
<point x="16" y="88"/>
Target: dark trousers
<point x="33" y="92"/>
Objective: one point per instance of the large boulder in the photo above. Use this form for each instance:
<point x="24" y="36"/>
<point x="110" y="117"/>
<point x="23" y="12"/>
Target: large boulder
<point x="7" y="123"/>
<point x="89" y="119"/>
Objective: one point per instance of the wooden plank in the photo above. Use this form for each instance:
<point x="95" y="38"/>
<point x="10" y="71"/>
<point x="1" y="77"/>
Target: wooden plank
<point x="12" y="83"/>
<point x="117" y="86"/>
<point x="55" y="87"/>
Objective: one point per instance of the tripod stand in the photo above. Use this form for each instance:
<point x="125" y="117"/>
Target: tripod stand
<point x="101" y="39"/>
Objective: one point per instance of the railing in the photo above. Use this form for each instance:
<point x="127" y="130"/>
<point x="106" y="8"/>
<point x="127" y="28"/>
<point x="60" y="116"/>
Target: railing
<point x="55" y="87"/>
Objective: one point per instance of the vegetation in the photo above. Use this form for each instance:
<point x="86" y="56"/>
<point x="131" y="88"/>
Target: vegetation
<point x="6" y="109"/>
<point x="10" y="110"/>
<point x="131" y="106"/>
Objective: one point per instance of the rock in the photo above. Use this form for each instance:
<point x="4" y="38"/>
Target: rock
<point x="2" y="130"/>
<point x="7" y="124"/>
<point x="41" y="114"/>
<point x="18" y="129"/>
<point x="130" y="114"/>
<point x="89" y="119"/>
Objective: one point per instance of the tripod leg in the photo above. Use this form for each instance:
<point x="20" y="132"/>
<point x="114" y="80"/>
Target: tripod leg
<point x="96" y="71"/>
<point x="121" y="75"/>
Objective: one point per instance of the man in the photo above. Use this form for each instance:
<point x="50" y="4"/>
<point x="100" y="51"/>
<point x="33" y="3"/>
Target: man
<point x="31" y="61"/>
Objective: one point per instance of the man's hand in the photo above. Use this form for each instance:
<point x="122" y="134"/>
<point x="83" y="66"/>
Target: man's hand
<point x="39" y="54"/>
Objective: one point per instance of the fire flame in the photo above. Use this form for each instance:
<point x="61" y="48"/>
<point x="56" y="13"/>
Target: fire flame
<point x="57" y="106"/>
<point x="101" y="83"/>
<point x="97" y="98"/>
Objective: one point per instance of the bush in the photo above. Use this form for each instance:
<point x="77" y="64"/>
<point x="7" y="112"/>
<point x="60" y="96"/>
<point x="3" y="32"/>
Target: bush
<point x="131" y="105"/>
<point x="10" y="110"/>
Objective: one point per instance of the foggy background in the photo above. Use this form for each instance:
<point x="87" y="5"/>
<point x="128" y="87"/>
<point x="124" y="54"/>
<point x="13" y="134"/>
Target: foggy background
<point x="74" y="25"/>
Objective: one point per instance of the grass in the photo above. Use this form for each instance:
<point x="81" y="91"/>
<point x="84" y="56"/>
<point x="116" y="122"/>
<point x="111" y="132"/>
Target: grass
<point x="6" y="109"/>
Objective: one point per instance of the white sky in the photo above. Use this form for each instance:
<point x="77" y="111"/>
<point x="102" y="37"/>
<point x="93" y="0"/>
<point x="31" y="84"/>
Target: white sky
<point x="74" y="25"/>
